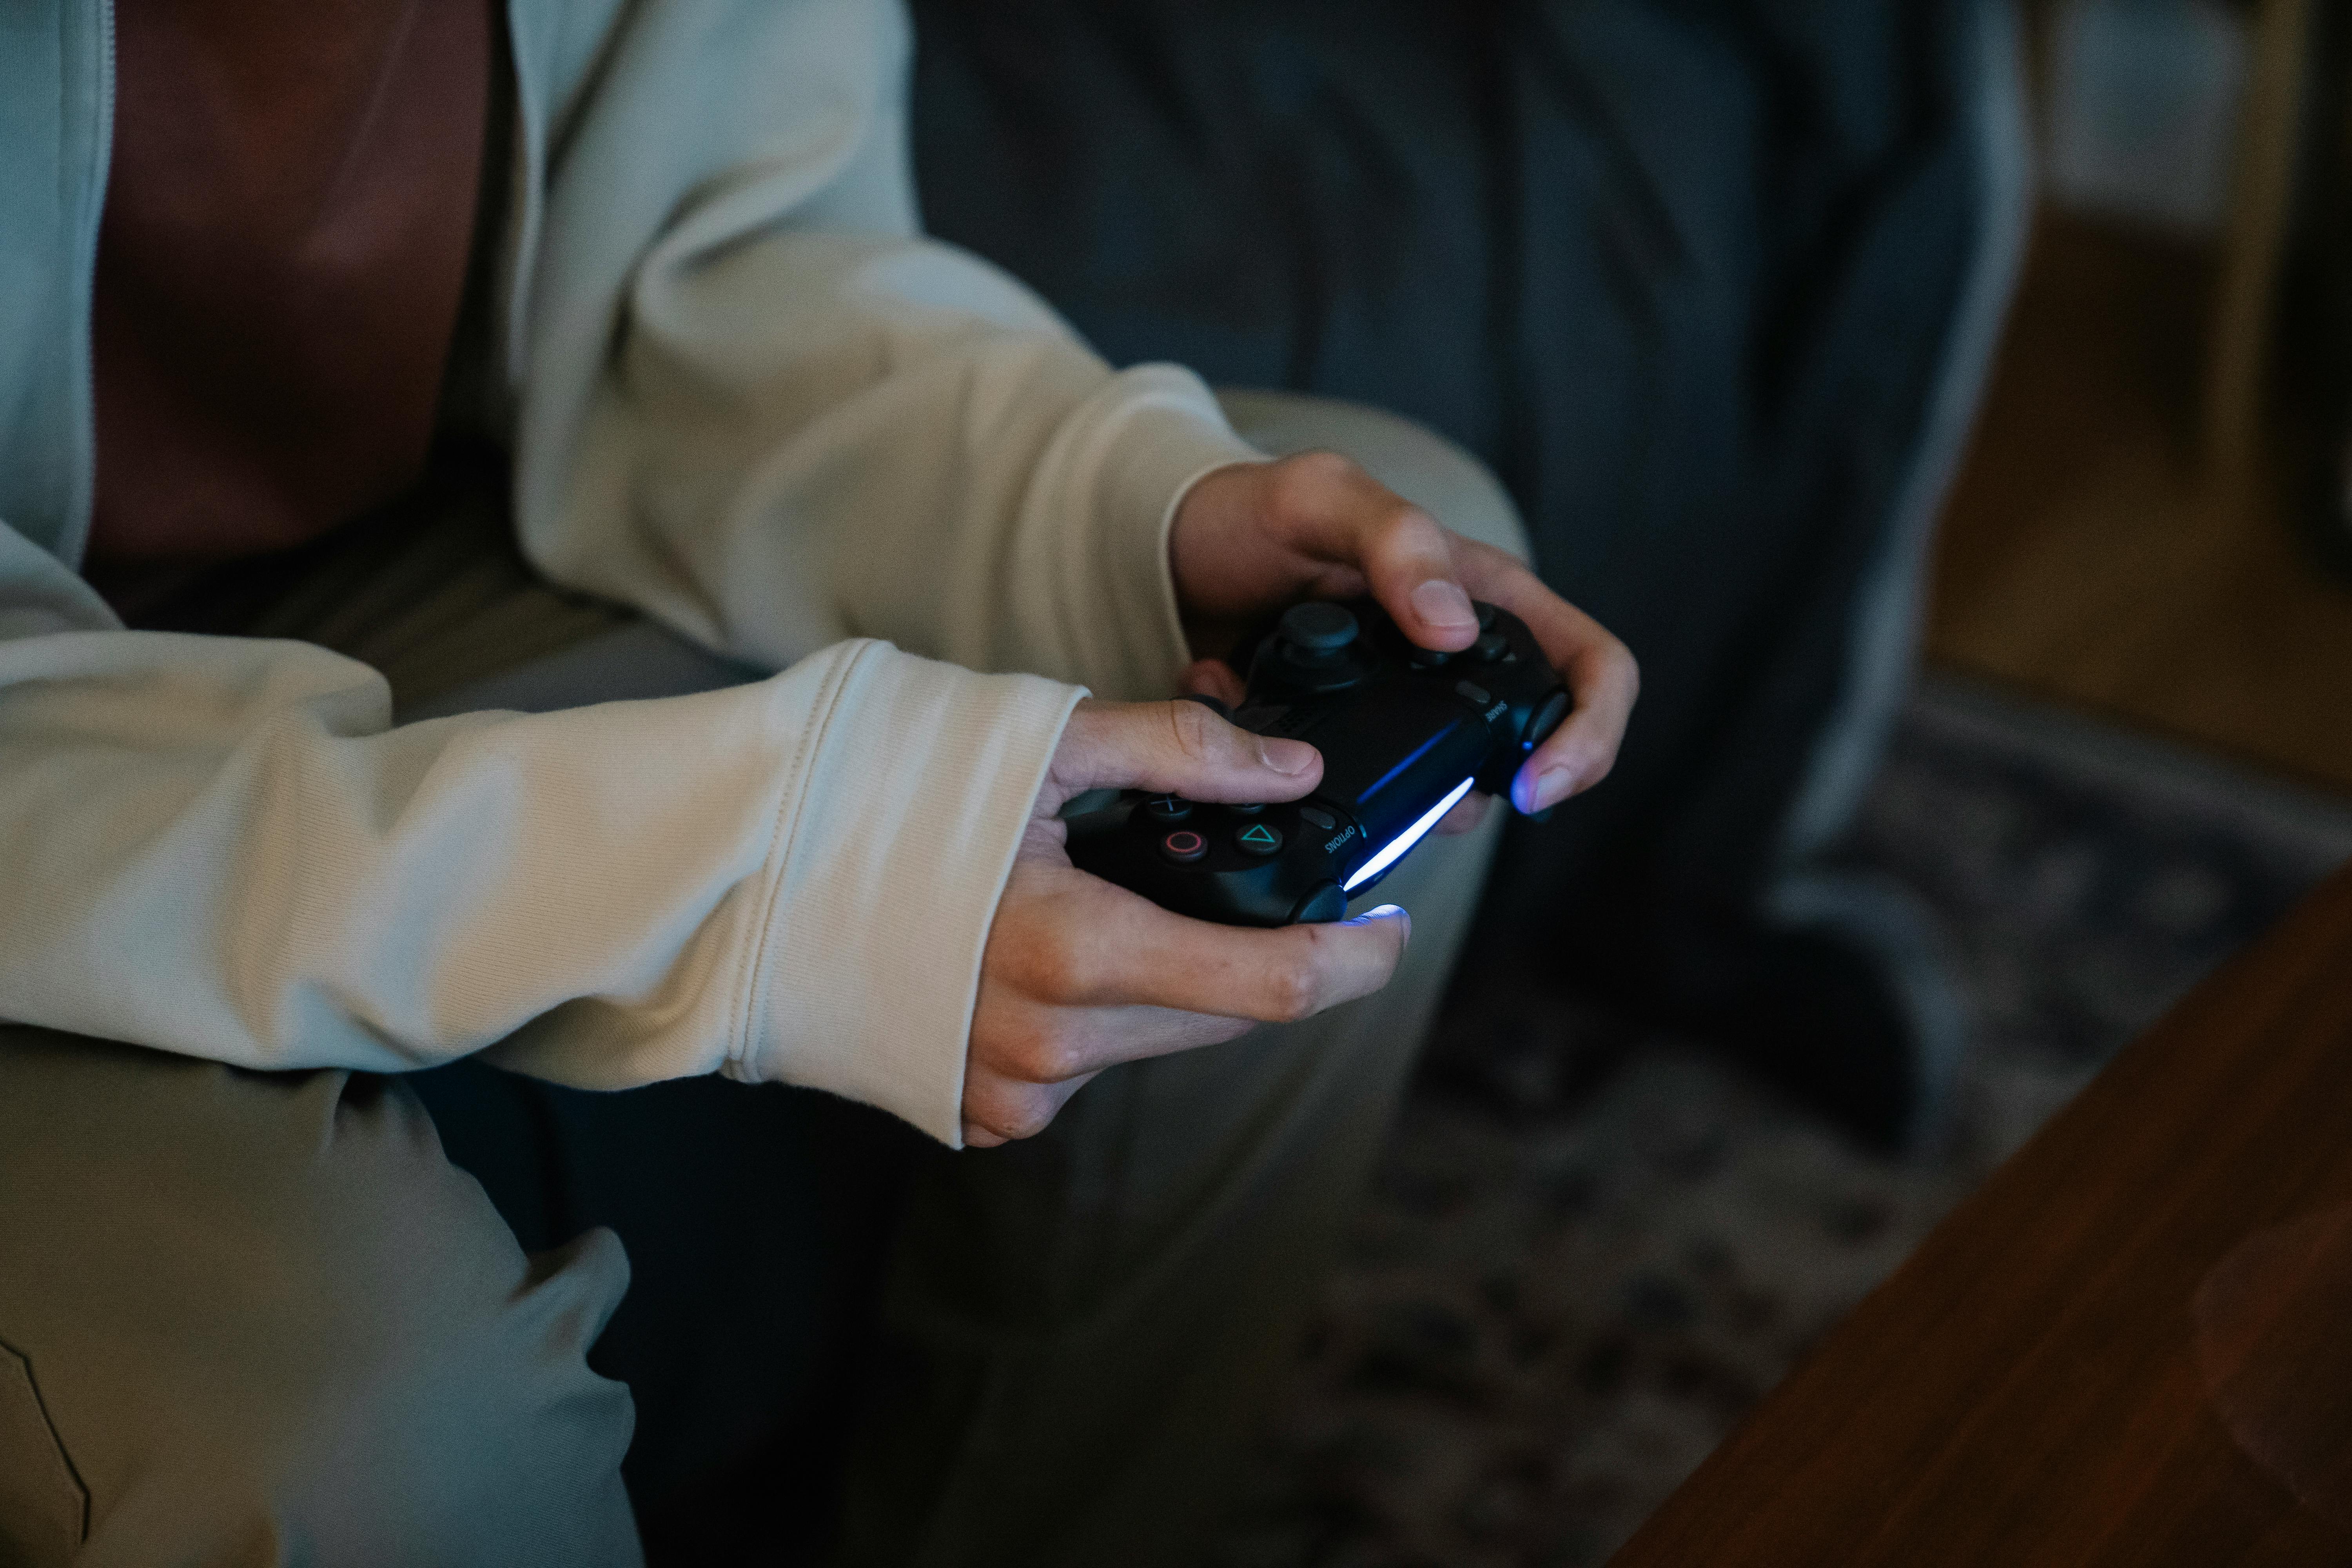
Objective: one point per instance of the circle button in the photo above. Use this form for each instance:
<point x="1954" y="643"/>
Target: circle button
<point x="1183" y="846"/>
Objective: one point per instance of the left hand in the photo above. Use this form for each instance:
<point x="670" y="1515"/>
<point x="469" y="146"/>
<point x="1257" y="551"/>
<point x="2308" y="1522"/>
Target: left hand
<point x="1253" y="538"/>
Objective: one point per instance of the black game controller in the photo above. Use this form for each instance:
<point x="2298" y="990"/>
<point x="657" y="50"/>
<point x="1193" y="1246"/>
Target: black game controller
<point x="1405" y="733"/>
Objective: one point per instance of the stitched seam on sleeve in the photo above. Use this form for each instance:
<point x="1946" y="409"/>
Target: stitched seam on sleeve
<point x="781" y="838"/>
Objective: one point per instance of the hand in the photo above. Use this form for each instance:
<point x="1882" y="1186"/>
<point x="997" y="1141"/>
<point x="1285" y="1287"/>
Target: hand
<point x="1079" y="974"/>
<point x="1253" y="538"/>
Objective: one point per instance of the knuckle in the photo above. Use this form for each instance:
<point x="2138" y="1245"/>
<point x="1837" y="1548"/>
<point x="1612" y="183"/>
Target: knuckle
<point x="1197" y="732"/>
<point x="1405" y="527"/>
<point x="1026" y="1116"/>
<point x="1294" y="992"/>
<point x="1060" y="969"/>
<point x="1042" y="1053"/>
<point x="1013" y="1112"/>
<point x="1619" y="668"/>
<point x="1630" y="667"/>
<point x="1304" y="484"/>
<point x="1034" y="961"/>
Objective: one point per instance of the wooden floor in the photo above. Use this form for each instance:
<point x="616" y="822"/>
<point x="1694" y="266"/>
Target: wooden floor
<point x="2086" y="558"/>
<point x="2124" y="1351"/>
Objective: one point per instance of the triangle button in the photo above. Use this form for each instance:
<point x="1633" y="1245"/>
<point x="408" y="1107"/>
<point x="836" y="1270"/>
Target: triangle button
<point x="1259" y="839"/>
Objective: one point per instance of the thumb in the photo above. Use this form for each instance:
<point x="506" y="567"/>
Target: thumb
<point x="1179" y="748"/>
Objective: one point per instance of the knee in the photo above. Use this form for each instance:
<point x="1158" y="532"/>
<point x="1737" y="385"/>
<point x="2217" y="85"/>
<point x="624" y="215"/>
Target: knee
<point x="427" y="1402"/>
<point x="267" y="1321"/>
<point x="457" y="1417"/>
<point x="1418" y="464"/>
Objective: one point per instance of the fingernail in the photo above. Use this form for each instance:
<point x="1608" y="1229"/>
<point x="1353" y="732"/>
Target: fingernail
<point x="1444" y="604"/>
<point x="1388" y="912"/>
<point x="1555" y="785"/>
<point x="1287" y="756"/>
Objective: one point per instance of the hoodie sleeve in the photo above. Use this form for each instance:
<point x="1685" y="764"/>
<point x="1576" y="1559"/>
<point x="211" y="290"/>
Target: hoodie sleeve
<point x="220" y="846"/>
<point x="760" y="407"/>
<point x="754" y="403"/>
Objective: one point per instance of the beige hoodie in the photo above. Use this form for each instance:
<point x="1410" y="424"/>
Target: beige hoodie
<point x="748" y="399"/>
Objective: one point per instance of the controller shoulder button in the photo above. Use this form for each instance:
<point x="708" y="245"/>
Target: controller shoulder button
<point x="1323" y="902"/>
<point x="1545" y="721"/>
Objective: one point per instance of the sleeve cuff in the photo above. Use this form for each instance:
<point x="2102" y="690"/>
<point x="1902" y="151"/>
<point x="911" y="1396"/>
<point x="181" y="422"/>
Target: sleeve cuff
<point x="887" y="866"/>
<point x="1155" y="432"/>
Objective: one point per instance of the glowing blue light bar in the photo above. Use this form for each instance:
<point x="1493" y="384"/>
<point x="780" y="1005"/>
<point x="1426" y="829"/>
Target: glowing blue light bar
<point x="1409" y="837"/>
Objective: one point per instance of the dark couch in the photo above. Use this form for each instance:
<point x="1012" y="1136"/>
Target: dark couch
<point x="1687" y="273"/>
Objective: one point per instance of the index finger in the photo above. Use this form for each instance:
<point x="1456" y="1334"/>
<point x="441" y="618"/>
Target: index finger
<point x="1600" y="671"/>
<point x="1128" y="951"/>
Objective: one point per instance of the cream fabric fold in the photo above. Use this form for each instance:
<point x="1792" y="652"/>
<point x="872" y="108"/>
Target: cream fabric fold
<point x="747" y="398"/>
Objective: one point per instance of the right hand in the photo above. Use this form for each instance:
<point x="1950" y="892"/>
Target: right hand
<point x="1079" y="974"/>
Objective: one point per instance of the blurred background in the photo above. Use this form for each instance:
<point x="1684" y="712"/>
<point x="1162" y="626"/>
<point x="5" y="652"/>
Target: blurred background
<point x="1951" y="401"/>
<point x="2151" y="524"/>
<point x="1597" y="1242"/>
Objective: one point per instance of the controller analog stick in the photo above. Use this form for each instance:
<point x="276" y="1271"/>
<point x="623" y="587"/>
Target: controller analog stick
<point x="1318" y="629"/>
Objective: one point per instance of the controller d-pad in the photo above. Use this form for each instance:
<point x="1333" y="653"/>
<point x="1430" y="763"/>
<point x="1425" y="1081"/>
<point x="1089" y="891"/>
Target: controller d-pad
<point x="1168" y="808"/>
<point x="1183" y="847"/>
<point x="1258" y="838"/>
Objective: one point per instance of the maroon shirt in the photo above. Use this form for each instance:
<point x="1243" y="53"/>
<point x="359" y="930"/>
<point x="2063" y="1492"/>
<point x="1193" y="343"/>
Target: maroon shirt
<point x="288" y="219"/>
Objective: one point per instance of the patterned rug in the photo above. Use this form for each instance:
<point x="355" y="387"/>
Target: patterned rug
<point x="1592" y="1249"/>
